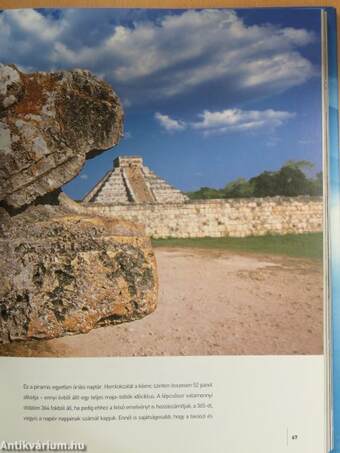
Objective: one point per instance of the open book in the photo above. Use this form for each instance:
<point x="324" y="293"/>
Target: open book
<point x="169" y="230"/>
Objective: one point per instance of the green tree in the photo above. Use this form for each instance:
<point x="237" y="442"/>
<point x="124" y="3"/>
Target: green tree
<point x="264" y="185"/>
<point x="317" y="184"/>
<point x="205" y="193"/>
<point x="240" y="188"/>
<point x="292" y="179"/>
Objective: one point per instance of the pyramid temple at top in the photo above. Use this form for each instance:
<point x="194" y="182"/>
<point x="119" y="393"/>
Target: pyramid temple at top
<point x="130" y="181"/>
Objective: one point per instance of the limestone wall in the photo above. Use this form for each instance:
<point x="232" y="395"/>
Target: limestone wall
<point x="216" y="218"/>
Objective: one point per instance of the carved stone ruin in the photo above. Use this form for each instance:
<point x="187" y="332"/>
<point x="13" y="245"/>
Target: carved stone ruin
<point x="63" y="270"/>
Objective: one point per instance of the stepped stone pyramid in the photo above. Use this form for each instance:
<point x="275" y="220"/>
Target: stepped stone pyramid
<point x="130" y="181"/>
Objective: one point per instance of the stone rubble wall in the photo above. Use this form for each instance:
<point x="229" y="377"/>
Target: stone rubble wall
<point x="218" y="218"/>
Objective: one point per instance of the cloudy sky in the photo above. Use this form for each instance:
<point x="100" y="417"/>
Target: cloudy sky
<point x="209" y="95"/>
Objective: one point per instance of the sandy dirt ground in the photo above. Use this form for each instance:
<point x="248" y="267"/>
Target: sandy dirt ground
<point x="212" y="303"/>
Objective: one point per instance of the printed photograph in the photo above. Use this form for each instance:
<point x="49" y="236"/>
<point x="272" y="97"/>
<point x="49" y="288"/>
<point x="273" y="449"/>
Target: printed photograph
<point x="161" y="182"/>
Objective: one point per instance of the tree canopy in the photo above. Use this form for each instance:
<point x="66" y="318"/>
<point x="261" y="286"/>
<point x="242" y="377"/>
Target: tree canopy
<point x="290" y="180"/>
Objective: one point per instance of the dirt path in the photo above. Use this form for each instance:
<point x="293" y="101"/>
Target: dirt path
<point x="212" y="303"/>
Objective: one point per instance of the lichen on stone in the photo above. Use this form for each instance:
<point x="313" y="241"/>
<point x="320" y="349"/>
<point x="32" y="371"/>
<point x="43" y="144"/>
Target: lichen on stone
<point x="58" y="120"/>
<point x="8" y="76"/>
<point x="5" y="139"/>
<point x="63" y="270"/>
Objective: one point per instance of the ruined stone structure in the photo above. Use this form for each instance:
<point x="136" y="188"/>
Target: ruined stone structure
<point x="64" y="270"/>
<point x="218" y="218"/>
<point x="50" y="123"/>
<point x="133" y="192"/>
<point x="130" y="181"/>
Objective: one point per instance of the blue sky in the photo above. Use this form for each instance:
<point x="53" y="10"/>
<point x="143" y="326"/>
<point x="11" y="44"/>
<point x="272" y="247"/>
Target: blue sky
<point x="209" y="95"/>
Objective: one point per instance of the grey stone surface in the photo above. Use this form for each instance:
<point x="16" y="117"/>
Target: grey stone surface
<point x="49" y="124"/>
<point x="64" y="273"/>
<point x="63" y="269"/>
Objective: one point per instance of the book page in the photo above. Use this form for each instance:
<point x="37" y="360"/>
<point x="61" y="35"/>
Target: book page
<point x="164" y="236"/>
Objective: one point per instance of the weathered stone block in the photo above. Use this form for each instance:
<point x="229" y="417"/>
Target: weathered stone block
<point x="49" y="124"/>
<point x="63" y="269"/>
<point x="64" y="273"/>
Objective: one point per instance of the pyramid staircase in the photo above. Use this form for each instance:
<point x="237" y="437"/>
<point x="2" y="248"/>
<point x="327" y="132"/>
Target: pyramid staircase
<point x="131" y="181"/>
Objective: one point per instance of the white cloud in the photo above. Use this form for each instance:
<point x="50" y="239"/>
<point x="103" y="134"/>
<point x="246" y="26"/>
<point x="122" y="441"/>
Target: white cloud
<point x="155" y="59"/>
<point x="170" y="124"/>
<point x="234" y="120"/>
<point x="32" y="23"/>
<point x="84" y="176"/>
<point x="296" y="36"/>
<point x="230" y="120"/>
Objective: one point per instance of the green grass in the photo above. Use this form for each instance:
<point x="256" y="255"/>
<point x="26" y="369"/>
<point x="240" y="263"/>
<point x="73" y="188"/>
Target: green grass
<point x="308" y="245"/>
